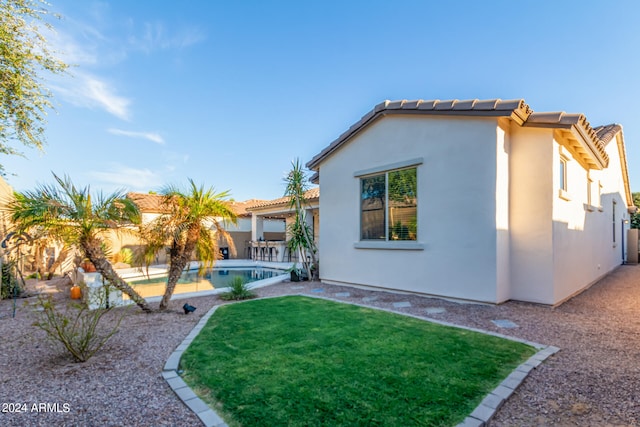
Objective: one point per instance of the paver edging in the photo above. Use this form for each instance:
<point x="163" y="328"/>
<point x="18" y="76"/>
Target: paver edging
<point x="208" y="416"/>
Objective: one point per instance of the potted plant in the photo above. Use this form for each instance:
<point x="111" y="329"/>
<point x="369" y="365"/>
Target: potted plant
<point x="88" y="266"/>
<point x="297" y="274"/>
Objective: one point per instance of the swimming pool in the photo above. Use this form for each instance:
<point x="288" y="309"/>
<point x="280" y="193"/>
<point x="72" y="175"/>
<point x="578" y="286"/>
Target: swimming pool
<point x="154" y="280"/>
<point x="190" y="281"/>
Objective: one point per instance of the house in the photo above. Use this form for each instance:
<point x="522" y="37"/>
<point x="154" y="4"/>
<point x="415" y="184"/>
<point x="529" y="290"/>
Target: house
<point x="153" y="205"/>
<point x="280" y="210"/>
<point x="481" y="200"/>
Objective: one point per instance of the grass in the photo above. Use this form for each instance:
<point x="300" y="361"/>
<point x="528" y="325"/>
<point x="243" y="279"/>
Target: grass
<point x="301" y="361"/>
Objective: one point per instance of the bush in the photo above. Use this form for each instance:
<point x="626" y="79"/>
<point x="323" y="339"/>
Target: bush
<point x="10" y="283"/>
<point x="238" y="291"/>
<point x="75" y="328"/>
<point x="125" y="255"/>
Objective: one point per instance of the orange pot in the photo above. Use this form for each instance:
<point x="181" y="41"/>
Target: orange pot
<point x="76" y="292"/>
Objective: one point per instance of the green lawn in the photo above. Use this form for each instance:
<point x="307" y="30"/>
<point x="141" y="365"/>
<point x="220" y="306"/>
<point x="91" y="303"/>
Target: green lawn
<point x="302" y="361"/>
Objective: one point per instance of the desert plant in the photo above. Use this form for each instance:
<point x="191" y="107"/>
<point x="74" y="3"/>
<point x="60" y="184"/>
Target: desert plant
<point x="72" y="215"/>
<point x="237" y="291"/>
<point x="124" y="255"/>
<point x="10" y="285"/>
<point x="75" y="327"/>
<point x="299" y="231"/>
<point x="193" y="224"/>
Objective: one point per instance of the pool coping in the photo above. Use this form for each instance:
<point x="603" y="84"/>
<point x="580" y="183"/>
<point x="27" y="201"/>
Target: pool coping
<point x="479" y="417"/>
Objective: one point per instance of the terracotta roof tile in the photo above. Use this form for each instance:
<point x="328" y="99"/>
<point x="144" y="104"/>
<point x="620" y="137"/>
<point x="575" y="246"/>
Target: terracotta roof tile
<point x="155" y="203"/>
<point x="312" y="194"/>
<point x="148" y="202"/>
<point x="607" y="132"/>
<point x="568" y="120"/>
<point x="240" y="208"/>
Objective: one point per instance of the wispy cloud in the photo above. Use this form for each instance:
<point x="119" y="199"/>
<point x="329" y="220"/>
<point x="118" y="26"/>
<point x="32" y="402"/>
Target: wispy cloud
<point x="151" y="136"/>
<point x="120" y="176"/>
<point x="156" y="37"/>
<point x="92" y="92"/>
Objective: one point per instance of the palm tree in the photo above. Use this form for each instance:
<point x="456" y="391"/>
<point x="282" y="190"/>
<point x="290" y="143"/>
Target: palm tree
<point x="193" y="222"/>
<point x="70" y="214"/>
<point x="300" y="233"/>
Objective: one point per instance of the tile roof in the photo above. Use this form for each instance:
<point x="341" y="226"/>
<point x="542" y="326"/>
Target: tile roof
<point x="148" y="202"/>
<point x="240" y="208"/>
<point x="607" y="132"/>
<point x="516" y="109"/>
<point x="312" y="194"/>
<point x="567" y="121"/>
<point x="155" y="203"/>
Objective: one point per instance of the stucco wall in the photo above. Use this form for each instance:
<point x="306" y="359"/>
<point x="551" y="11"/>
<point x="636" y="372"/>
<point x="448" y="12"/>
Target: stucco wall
<point x="531" y="230"/>
<point x="583" y="244"/>
<point x="456" y="208"/>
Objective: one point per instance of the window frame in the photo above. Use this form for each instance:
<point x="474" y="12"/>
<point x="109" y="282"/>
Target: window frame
<point x="563" y="179"/>
<point x="387" y="243"/>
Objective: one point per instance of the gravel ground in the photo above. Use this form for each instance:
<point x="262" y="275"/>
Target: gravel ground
<point x="592" y="381"/>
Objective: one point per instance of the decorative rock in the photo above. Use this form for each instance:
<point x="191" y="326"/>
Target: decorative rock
<point x="403" y="304"/>
<point x="504" y="323"/>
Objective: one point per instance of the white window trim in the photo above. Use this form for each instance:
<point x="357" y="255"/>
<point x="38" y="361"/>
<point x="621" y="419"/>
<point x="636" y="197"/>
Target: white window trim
<point x="564" y="179"/>
<point x="389" y="244"/>
<point x="407" y="245"/>
<point x="386" y="168"/>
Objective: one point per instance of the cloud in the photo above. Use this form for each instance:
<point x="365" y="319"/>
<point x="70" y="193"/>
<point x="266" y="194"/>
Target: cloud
<point x="120" y="176"/>
<point x="89" y="91"/>
<point x="151" y="136"/>
<point x="100" y="92"/>
<point x="154" y="37"/>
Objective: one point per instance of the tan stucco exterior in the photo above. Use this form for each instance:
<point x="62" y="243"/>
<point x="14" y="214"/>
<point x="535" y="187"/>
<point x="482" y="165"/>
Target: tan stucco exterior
<point x="493" y="224"/>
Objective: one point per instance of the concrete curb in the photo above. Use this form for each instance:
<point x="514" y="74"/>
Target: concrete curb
<point x="208" y="416"/>
<point x="480" y="416"/>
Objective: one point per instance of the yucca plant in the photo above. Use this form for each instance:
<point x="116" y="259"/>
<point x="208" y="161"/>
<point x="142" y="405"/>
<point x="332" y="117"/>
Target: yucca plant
<point x="238" y="290"/>
<point x="300" y="233"/>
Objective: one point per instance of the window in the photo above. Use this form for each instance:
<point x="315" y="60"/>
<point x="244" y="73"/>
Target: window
<point x="614" y="220"/>
<point x="563" y="174"/>
<point x="599" y="199"/>
<point x="388" y="208"/>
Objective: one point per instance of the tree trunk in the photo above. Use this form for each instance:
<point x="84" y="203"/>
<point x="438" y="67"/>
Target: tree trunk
<point x="38" y="264"/>
<point x="93" y="251"/>
<point x="179" y="256"/>
<point x="58" y="262"/>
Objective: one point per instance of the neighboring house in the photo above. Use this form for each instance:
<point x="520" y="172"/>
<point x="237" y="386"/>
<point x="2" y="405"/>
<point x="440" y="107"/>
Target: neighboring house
<point x="6" y="196"/>
<point x="273" y="228"/>
<point x="280" y="210"/>
<point x="477" y="200"/>
<point x="152" y="205"/>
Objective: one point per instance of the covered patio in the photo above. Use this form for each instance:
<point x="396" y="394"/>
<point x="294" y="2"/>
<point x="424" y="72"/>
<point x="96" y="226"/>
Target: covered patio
<point x="262" y="248"/>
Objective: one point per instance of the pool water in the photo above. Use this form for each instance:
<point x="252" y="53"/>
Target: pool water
<point x="189" y="281"/>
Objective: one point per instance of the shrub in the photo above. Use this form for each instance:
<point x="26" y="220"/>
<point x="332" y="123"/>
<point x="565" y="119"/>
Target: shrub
<point x="125" y="255"/>
<point x="75" y="327"/>
<point x="10" y="284"/>
<point x="238" y="291"/>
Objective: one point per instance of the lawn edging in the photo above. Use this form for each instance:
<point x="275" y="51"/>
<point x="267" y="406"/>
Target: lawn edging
<point x="479" y="417"/>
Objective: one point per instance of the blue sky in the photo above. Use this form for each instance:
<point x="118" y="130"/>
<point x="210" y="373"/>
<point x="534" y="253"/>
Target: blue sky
<point x="228" y="93"/>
